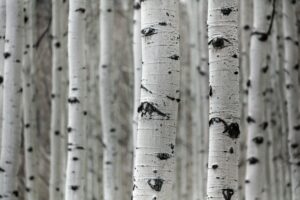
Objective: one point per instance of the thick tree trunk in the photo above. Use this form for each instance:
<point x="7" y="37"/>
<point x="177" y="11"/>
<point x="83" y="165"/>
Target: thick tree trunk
<point x="291" y="66"/>
<point x="11" y="129"/>
<point x="76" y="130"/>
<point x="154" y="166"/>
<point x="224" y="113"/>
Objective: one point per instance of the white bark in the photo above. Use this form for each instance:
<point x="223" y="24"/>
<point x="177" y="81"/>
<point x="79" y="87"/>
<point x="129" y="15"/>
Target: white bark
<point x="11" y="129"/>
<point x="76" y="101"/>
<point x="110" y="181"/>
<point x="154" y="166"/>
<point x="224" y="113"/>
<point x="291" y="66"/>
<point x="30" y="137"/>
<point x="56" y="185"/>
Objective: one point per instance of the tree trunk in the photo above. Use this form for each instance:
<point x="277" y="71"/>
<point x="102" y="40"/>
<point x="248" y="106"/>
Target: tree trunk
<point x="224" y="113"/>
<point x="11" y="129"/>
<point x="2" y="42"/>
<point x="154" y="166"/>
<point x="291" y="66"/>
<point x="76" y="102"/>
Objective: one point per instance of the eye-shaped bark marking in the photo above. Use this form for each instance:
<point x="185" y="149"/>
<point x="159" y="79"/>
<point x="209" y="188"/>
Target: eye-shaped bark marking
<point x="81" y="10"/>
<point x="264" y="125"/>
<point x="74" y="187"/>
<point x="6" y="55"/>
<point x="258" y="140"/>
<point x="174" y="57"/>
<point x="214" y="166"/>
<point x="253" y="161"/>
<point x="73" y="100"/>
<point x="250" y="120"/>
<point x="218" y="42"/>
<point x="163" y="156"/>
<point x="147" y="108"/>
<point x="232" y="129"/>
<point x="163" y="23"/>
<point x="148" y="31"/>
<point x="227" y="193"/>
<point x="156" y="184"/>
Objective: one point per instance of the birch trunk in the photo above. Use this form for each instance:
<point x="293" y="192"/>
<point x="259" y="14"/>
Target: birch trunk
<point x="154" y="166"/>
<point x="110" y="181"/>
<point x="11" y="129"/>
<point x="56" y="185"/>
<point x="224" y="113"/>
<point x="256" y="141"/>
<point x="76" y="102"/>
<point x="2" y="42"/>
<point x="291" y="66"/>
<point x="31" y="170"/>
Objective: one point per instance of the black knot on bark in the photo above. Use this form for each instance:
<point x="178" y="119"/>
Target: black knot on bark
<point x="226" y="11"/>
<point x="253" y="161"/>
<point x="258" y="140"/>
<point x="250" y="120"/>
<point x="156" y="184"/>
<point x="294" y="146"/>
<point x="163" y="156"/>
<point x="6" y="55"/>
<point x="148" y="31"/>
<point x="74" y="187"/>
<point x="233" y="130"/>
<point x="174" y="57"/>
<point x="218" y="42"/>
<point x="73" y="100"/>
<point x="227" y="193"/>
<point x="81" y="10"/>
<point x="148" y="109"/>
<point x="137" y="6"/>
<point x="264" y="125"/>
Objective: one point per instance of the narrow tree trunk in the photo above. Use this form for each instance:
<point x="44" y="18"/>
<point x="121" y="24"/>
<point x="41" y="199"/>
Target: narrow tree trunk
<point x="55" y="185"/>
<point x="76" y="130"/>
<point x="154" y="166"/>
<point x="291" y="66"/>
<point x="224" y="113"/>
<point x="2" y="42"/>
<point x="30" y="137"/>
<point x="11" y="129"/>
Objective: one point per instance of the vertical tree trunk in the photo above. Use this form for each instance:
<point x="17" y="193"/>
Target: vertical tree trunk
<point x="291" y="66"/>
<point x="30" y="137"/>
<point x="76" y="130"/>
<point x="224" y="113"/>
<point x="2" y="42"/>
<point x="11" y="129"/>
<point x="256" y="141"/>
<point x="154" y="165"/>
<point x="106" y="100"/>
<point x="55" y="185"/>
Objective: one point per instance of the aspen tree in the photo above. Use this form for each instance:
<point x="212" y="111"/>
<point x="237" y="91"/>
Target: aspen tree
<point x="30" y="146"/>
<point x="11" y="124"/>
<point x="55" y="185"/>
<point x="76" y="160"/>
<point x="154" y="165"/>
<point x="2" y="42"/>
<point x="224" y="113"/>
<point x="291" y="66"/>
<point x="256" y="141"/>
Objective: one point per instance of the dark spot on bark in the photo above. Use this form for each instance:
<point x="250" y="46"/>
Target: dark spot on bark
<point x="226" y="11"/>
<point x="15" y="193"/>
<point x="294" y="146"/>
<point x="27" y="125"/>
<point x="297" y="128"/>
<point x="227" y="193"/>
<point x="163" y="23"/>
<point x="258" y="140"/>
<point x="75" y="159"/>
<point x="57" y="44"/>
<point x="234" y="56"/>
<point x="265" y="69"/>
<point x="250" y="120"/>
<point x="59" y="68"/>
<point x="69" y="129"/>
<point x="112" y="130"/>
<point x="148" y="31"/>
<point x="163" y="156"/>
<point x="18" y="61"/>
<point x="247" y="181"/>
<point x="27" y="189"/>
<point x="26" y="19"/>
<point x="29" y="149"/>
<point x="268" y="17"/>
<point x="6" y="55"/>
<point x="2" y="170"/>
<point x="296" y="67"/>
<point x="109" y="10"/>
<point x="174" y="57"/>
<point x="1" y="79"/>
<point x="80" y="148"/>
<point x="104" y="66"/>
<point x="210" y="91"/>
<point x="253" y="161"/>
<point x="156" y="184"/>
<point x="52" y="96"/>
<point x="31" y="178"/>
<point x="146" y="89"/>
<point x="231" y="150"/>
<point x="246" y="27"/>
<point x="56" y="132"/>
<point x="167" y="14"/>
<point x="214" y="166"/>
<point x="264" y="125"/>
<point x="236" y="72"/>
<point x="137" y="6"/>
<point x="20" y="90"/>
<point x="84" y="113"/>
<point x="232" y="129"/>
<point x="81" y="10"/>
<point x="73" y="100"/>
<point x="57" y="189"/>
<point x="147" y="108"/>
<point x="218" y="42"/>
<point x="74" y="187"/>
<point x="108" y="163"/>
<point x="248" y="83"/>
